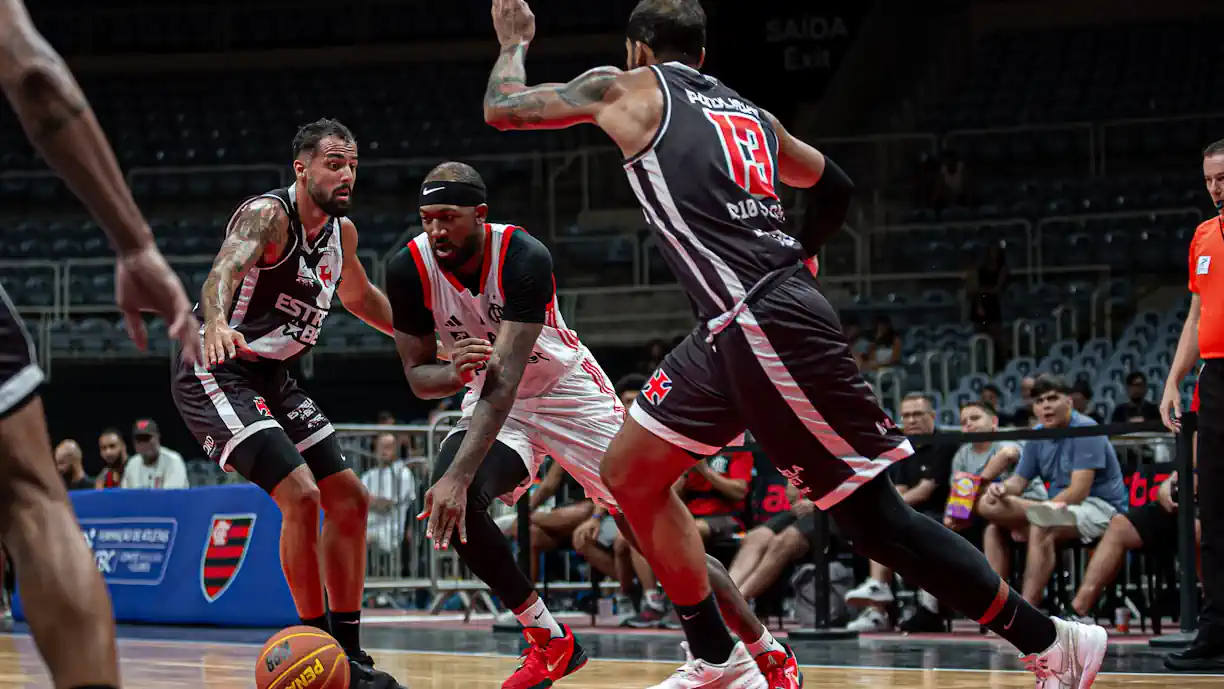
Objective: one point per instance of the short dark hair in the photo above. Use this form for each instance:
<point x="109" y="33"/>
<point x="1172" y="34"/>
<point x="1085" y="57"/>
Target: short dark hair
<point x="1048" y="382"/>
<point x="921" y="397"/>
<point x="632" y="381"/>
<point x="992" y="388"/>
<point x="456" y="172"/>
<point x="1214" y="149"/>
<point x="111" y="429"/>
<point x="1136" y="377"/>
<point x="309" y="135"/>
<point x="984" y="406"/>
<point x="671" y="28"/>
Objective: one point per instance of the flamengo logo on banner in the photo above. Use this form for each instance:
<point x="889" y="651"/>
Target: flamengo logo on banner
<point x="229" y="538"/>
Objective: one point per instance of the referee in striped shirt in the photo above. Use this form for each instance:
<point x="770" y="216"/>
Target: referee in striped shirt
<point x="1203" y="336"/>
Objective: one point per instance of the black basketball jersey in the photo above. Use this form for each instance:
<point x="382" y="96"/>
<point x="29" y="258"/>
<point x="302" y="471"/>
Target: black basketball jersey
<point x="707" y="183"/>
<point x="280" y="308"/>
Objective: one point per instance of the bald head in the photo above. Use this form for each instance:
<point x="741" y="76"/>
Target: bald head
<point x="68" y="456"/>
<point x="456" y="172"/>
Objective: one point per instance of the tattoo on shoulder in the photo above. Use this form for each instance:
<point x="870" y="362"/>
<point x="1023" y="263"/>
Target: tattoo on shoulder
<point x="261" y="224"/>
<point x="589" y="88"/>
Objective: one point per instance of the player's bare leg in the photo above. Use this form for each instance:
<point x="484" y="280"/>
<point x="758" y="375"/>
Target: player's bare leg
<point x="346" y="504"/>
<point x="639" y="469"/>
<point x="63" y="594"/>
<point x="299" y="500"/>
<point x="775" y="660"/>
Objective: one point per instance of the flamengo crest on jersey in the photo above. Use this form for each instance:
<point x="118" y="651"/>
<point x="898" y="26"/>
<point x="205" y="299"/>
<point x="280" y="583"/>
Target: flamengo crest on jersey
<point x="280" y="309"/>
<point x="458" y="314"/>
<point x="707" y="184"/>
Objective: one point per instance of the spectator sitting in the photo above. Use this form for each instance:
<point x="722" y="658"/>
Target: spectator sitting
<point x="854" y="337"/>
<point x="392" y="491"/>
<point x="991" y="396"/>
<point x="767" y="549"/>
<point x="1153" y="526"/>
<point x="991" y="461"/>
<point x="68" y="458"/>
<point x="885" y="348"/>
<point x="114" y="453"/>
<point x="922" y="481"/>
<point x="1084" y="476"/>
<point x="1136" y="408"/>
<point x="1081" y="401"/>
<point x="153" y="466"/>
<point x="1023" y="417"/>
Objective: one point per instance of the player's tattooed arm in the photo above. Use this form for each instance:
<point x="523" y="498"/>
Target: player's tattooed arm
<point x="510" y="104"/>
<point x="60" y="125"/>
<point x="361" y="297"/>
<point x="513" y="348"/>
<point x="261" y="227"/>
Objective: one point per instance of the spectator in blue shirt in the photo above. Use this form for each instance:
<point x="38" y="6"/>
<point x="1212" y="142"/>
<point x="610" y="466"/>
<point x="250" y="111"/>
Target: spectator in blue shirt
<point x="1085" y="480"/>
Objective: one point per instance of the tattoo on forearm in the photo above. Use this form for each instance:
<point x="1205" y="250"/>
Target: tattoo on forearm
<point x="520" y="106"/>
<point x="262" y="224"/>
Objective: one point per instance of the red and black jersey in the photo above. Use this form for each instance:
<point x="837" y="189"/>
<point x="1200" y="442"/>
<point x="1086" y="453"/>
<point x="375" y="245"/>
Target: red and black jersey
<point x="701" y="498"/>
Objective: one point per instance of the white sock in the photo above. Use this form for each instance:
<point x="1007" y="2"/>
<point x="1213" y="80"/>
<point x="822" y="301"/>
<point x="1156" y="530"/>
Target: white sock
<point x="536" y="615"/>
<point x="764" y="645"/>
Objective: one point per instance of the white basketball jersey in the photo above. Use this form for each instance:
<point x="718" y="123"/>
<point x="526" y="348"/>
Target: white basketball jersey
<point x="458" y="314"/>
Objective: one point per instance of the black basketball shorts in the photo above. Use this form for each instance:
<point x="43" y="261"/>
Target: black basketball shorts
<point x="227" y="404"/>
<point x="20" y="375"/>
<point x="782" y="370"/>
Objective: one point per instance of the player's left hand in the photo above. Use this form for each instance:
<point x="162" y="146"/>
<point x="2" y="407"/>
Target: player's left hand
<point x="513" y="21"/>
<point x="446" y="508"/>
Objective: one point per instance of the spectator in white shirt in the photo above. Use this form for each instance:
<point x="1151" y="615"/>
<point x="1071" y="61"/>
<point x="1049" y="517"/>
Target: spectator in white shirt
<point x="153" y="466"/>
<point x="392" y="491"/>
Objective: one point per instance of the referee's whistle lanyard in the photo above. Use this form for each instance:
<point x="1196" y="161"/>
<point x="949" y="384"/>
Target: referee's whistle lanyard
<point x="767" y="282"/>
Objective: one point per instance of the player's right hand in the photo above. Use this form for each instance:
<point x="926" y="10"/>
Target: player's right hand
<point x="145" y="282"/>
<point x="469" y="355"/>
<point x="221" y="342"/>
<point x="1170" y="409"/>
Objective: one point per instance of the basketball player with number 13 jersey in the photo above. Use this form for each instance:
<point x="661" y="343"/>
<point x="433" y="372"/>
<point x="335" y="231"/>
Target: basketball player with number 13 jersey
<point x="768" y="354"/>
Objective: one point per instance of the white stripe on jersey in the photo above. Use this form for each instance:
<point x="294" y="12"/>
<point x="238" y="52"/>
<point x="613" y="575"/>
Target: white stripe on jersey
<point x="459" y="314"/>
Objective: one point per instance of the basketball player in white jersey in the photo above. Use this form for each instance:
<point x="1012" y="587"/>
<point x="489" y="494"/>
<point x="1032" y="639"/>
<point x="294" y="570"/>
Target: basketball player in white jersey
<point x="487" y="292"/>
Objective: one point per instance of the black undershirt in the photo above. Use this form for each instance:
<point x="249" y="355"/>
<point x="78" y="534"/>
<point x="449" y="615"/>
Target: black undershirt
<point x="527" y="278"/>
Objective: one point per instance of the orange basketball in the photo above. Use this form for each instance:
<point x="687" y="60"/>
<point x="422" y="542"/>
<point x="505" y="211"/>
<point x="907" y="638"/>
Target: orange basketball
<point x="302" y="658"/>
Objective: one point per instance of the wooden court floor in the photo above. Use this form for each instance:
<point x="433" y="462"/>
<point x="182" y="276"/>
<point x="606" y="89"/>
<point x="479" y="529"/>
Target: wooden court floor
<point x="148" y="664"/>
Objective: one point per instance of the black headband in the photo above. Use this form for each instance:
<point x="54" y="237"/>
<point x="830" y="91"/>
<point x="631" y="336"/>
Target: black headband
<point x="451" y="194"/>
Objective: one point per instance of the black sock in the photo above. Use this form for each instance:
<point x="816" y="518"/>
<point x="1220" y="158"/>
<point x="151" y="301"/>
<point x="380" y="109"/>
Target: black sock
<point x="346" y="628"/>
<point x="705" y="631"/>
<point x="319" y="622"/>
<point x="1026" y="627"/>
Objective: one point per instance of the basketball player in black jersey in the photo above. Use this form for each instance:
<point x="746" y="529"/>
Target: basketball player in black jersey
<point x="65" y="599"/>
<point x="768" y="354"/>
<point x="285" y="254"/>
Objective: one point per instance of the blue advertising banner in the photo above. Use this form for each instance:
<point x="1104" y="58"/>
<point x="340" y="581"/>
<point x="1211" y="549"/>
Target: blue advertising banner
<point x="207" y="556"/>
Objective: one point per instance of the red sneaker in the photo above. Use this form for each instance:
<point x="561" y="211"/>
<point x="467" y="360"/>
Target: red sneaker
<point x="546" y="660"/>
<point x="781" y="670"/>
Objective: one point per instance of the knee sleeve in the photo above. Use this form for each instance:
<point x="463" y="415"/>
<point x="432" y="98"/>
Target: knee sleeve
<point x="325" y="458"/>
<point x="266" y="458"/>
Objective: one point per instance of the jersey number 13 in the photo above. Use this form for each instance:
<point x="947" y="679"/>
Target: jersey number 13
<point x="747" y="151"/>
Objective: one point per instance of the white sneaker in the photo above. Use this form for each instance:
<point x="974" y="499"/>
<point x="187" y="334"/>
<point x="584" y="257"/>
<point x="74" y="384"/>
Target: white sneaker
<point x="871" y="620"/>
<point x="1073" y="661"/>
<point x="870" y="592"/>
<point x="506" y="617"/>
<point x="739" y="672"/>
<point x="1048" y="515"/>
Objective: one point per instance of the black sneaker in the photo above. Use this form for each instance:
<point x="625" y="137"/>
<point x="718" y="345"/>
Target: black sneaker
<point x="923" y="621"/>
<point x="363" y="674"/>
<point x="1202" y="656"/>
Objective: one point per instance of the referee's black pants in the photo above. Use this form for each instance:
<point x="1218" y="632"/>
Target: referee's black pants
<point x="1211" y="497"/>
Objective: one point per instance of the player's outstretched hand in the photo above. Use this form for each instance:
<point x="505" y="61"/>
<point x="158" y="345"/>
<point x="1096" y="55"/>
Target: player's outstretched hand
<point x="469" y="355"/>
<point x="221" y="342"/>
<point x="513" y="21"/>
<point x="145" y="282"/>
<point x="446" y="508"/>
